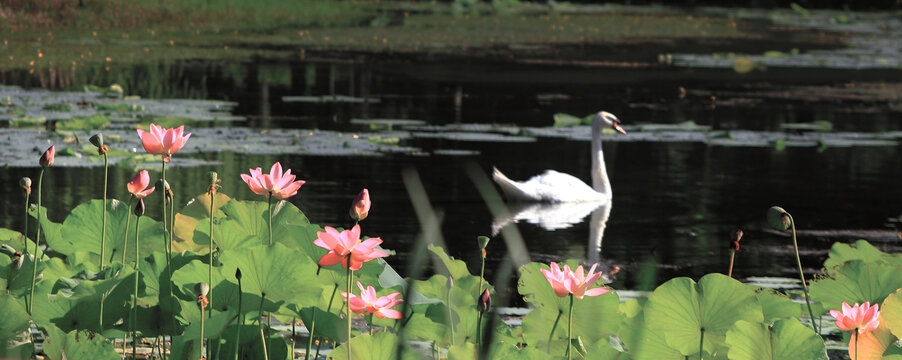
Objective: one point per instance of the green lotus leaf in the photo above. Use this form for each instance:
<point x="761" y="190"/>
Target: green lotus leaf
<point x="16" y="240"/>
<point x="456" y="268"/>
<point x="775" y="305"/>
<point x="155" y="277"/>
<point x="81" y="231"/>
<point x="223" y="292"/>
<point x="421" y="327"/>
<point x="681" y="310"/>
<point x="77" y="344"/>
<point x="51" y="231"/>
<point x="275" y="272"/>
<point x="15" y="276"/>
<point x="641" y="342"/>
<point x="860" y="250"/>
<point x="250" y="346"/>
<point x="787" y="339"/>
<point x="114" y="287"/>
<point x="857" y="281"/>
<point x="877" y="344"/>
<point x="327" y="325"/>
<point x="463" y="351"/>
<point x="594" y="317"/>
<point x="383" y="345"/>
<point x="15" y="319"/>
<point x="891" y="313"/>
<point x="245" y="224"/>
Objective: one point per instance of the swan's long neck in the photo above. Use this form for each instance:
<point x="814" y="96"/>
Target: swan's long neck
<point x="600" y="180"/>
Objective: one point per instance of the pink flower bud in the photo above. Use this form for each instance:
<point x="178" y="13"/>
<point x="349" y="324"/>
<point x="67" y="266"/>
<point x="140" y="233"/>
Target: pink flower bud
<point x="47" y="158"/>
<point x="360" y="208"/>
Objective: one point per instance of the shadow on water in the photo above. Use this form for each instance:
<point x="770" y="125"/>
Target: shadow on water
<point x="677" y="202"/>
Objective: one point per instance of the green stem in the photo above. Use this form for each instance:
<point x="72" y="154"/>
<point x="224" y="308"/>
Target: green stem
<point x="350" y="276"/>
<point x="732" y="256"/>
<point x="795" y="244"/>
<point x="25" y="232"/>
<point x="857" y="335"/>
<point x="106" y="169"/>
<point x="701" y="344"/>
<point x="370" y="323"/>
<point x="260" y="323"/>
<point x="293" y="335"/>
<point x="312" y="326"/>
<point x="478" y="297"/>
<point x="450" y="317"/>
<point x="167" y="242"/>
<point x="128" y="222"/>
<point x="269" y="203"/>
<point x="241" y="321"/>
<point x="135" y="298"/>
<point x="328" y="309"/>
<point x="212" y="200"/>
<point x="570" y="328"/>
<point x="202" y="334"/>
<point x="553" y="327"/>
<point x="37" y="243"/>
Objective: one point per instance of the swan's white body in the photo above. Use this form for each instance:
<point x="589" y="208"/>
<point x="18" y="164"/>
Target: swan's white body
<point x="557" y="187"/>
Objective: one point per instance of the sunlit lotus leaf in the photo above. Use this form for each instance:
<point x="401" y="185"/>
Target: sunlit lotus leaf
<point x="327" y="325"/>
<point x="244" y="224"/>
<point x="77" y="344"/>
<point x="462" y="351"/>
<point x="155" y="277"/>
<point x="50" y="231"/>
<point x="457" y="268"/>
<point x="418" y="326"/>
<point x="775" y="305"/>
<point x="275" y="272"/>
<point x="593" y="316"/>
<point x="81" y="231"/>
<point x="15" y="320"/>
<point x="873" y="345"/>
<point x="856" y="282"/>
<point x="382" y="345"/>
<point x="190" y="216"/>
<point x="860" y="250"/>
<point x="641" y="342"/>
<point x="680" y="310"/>
<point x="603" y="350"/>
<point x="788" y="339"/>
<point x="223" y="293"/>
<point x="891" y="313"/>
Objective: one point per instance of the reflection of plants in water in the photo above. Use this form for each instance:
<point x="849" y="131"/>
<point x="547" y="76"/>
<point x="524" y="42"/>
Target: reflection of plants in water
<point x="248" y="275"/>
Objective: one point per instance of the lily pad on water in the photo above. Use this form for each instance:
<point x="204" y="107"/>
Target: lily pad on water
<point x="330" y="99"/>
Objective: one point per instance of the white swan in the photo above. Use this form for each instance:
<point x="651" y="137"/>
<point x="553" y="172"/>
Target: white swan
<point x="553" y="186"/>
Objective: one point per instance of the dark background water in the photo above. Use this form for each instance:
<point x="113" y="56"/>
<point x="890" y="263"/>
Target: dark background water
<point x="675" y="203"/>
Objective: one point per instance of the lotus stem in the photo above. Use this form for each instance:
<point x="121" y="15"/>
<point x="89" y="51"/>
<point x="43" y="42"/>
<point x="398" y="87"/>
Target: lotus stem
<point x="701" y="344"/>
<point x="135" y="298"/>
<point x="370" y="321"/>
<point x="478" y="294"/>
<point x="106" y="169"/>
<point x="25" y="231"/>
<point x="37" y="243"/>
<point x="553" y="327"/>
<point x="212" y="200"/>
<point x="328" y="309"/>
<point x="795" y="244"/>
<point x="128" y="222"/>
<point x="240" y="314"/>
<point x="269" y="205"/>
<point x="312" y="325"/>
<point x="202" y="334"/>
<point x="293" y="335"/>
<point x="259" y="322"/>
<point x="570" y="328"/>
<point x="857" y="335"/>
<point x="348" y="300"/>
<point x="732" y="256"/>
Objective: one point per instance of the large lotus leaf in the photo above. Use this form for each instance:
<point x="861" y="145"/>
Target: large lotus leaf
<point x="382" y="345"/>
<point x="15" y="320"/>
<point x="275" y="272"/>
<point x="641" y="342"/>
<point x="77" y="344"/>
<point x="16" y="240"/>
<point x="594" y="317"/>
<point x="860" y="250"/>
<point x="788" y="339"/>
<point x="81" y="231"/>
<point x="81" y="310"/>
<point x="250" y="346"/>
<point x="51" y="231"/>
<point x="462" y="351"/>
<point x="245" y="224"/>
<point x="421" y="327"/>
<point x="456" y="268"/>
<point x="873" y="345"/>
<point x="15" y="275"/>
<point x="223" y="293"/>
<point x="190" y="216"/>
<point x="155" y="277"/>
<point x="891" y="313"/>
<point x="857" y="281"/>
<point x="775" y="305"/>
<point x="681" y="309"/>
<point x="327" y="324"/>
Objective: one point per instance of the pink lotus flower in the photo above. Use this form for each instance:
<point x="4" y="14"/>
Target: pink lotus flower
<point x="360" y="208"/>
<point x="369" y="303"/>
<point x="346" y="247"/>
<point x="279" y="185"/>
<point x="139" y="183"/>
<point x="47" y="156"/>
<point x="862" y="318"/>
<point x="163" y="141"/>
<point x="573" y="282"/>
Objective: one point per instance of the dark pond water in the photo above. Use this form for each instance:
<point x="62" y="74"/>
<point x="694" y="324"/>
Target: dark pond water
<point x="675" y="203"/>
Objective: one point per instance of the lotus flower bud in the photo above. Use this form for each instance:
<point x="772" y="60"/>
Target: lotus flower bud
<point x="778" y="218"/>
<point x="214" y="177"/>
<point x="201" y="289"/>
<point x="167" y="191"/>
<point x="238" y="273"/>
<point x="97" y="140"/>
<point x="360" y="208"/>
<point x="139" y="207"/>
<point x="25" y="183"/>
<point x="47" y="157"/>
<point x="483" y="241"/>
<point x="735" y="237"/>
<point x="485" y="301"/>
<point x="450" y="282"/>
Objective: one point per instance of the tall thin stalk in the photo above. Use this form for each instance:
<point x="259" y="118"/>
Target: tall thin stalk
<point x="448" y="306"/>
<point x="328" y="309"/>
<point x="210" y="298"/>
<point x="262" y="335"/>
<point x="701" y="344"/>
<point x="312" y="326"/>
<point x="553" y="327"/>
<point x="37" y="243"/>
<point x="240" y="314"/>
<point x="128" y="222"/>
<point x="106" y="170"/>
<point x="134" y="321"/>
<point x="570" y="328"/>
<point x="350" y="276"/>
<point x="269" y="205"/>
<point x="795" y="244"/>
<point x="26" y="187"/>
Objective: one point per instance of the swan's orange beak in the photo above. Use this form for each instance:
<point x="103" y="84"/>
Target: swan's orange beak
<point x="619" y="128"/>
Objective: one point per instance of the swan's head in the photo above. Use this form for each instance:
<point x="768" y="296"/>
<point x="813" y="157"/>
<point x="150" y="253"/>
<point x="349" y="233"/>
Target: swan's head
<point x="611" y="120"/>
